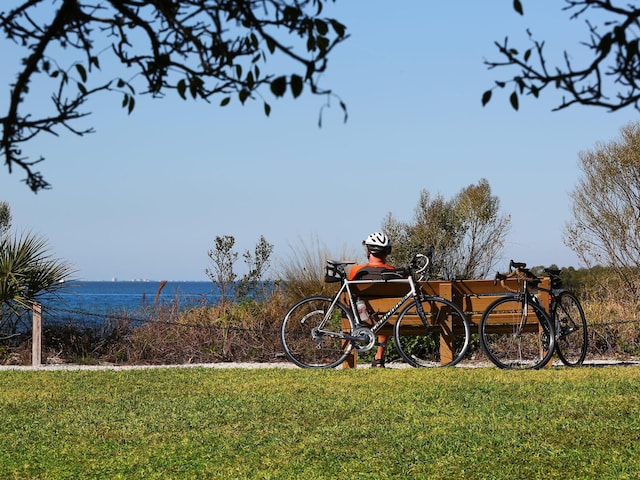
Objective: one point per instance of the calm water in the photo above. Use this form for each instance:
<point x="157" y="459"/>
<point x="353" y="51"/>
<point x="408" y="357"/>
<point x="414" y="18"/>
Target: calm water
<point x="86" y="300"/>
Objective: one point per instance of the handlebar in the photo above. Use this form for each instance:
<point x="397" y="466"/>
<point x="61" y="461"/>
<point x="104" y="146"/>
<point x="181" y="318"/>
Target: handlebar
<point x="518" y="270"/>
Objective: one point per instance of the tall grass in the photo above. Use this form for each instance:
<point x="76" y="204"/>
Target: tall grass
<point x="302" y="273"/>
<point x="271" y="423"/>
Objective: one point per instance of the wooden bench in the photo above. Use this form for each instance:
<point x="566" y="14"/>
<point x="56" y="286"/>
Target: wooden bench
<point x="471" y="296"/>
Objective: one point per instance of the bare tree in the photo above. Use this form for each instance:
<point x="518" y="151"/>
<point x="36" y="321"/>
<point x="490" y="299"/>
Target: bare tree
<point x="199" y="49"/>
<point x="605" y="229"/>
<point x="608" y="78"/>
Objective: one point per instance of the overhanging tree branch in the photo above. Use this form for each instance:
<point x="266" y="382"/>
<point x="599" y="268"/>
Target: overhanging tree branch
<point x="608" y="80"/>
<point x="197" y="48"/>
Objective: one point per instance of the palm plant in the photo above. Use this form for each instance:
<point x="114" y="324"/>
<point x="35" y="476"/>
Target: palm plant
<point x="27" y="271"/>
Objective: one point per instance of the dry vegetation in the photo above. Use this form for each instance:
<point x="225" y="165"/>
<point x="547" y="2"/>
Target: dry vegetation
<point x="249" y="330"/>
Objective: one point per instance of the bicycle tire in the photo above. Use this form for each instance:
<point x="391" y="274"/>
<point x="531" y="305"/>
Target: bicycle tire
<point x="308" y="347"/>
<point x="421" y="344"/>
<point x="515" y="337"/>
<point x="571" y="329"/>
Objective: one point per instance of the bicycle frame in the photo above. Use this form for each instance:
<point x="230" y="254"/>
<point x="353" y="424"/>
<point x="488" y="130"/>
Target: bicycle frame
<point x="345" y="287"/>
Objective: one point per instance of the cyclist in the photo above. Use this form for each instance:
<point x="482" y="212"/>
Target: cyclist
<point x="377" y="246"/>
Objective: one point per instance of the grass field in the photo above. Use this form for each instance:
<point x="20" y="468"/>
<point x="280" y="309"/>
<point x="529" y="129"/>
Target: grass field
<point x="201" y="423"/>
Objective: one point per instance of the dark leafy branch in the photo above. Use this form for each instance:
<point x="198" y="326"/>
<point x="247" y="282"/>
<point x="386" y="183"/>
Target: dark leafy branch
<point x="199" y="49"/>
<point x="608" y="79"/>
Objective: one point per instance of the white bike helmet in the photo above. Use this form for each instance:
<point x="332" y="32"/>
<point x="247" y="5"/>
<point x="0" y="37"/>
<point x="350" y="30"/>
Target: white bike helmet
<point x="378" y="243"/>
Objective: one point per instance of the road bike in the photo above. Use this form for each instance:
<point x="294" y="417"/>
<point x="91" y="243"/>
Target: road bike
<point x="322" y="331"/>
<point x="516" y="332"/>
<point x="569" y="322"/>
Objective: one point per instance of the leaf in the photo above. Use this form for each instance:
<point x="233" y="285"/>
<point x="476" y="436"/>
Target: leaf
<point x="321" y="26"/>
<point x="267" y="109"/>
<point x="296" y="85"/>
<point x="486" y="97"/>
<point x="182" y="88"/>
<point x="517" y="6"/>
<point x="225" y="101"/>
<point x="514" y="100"/>
<point x="527" y="54"/>
<point x="279" y="86"/>
<point x="243" y="95"/>
<point x="81" y="71"/>
<point x="271" y="45"/>
<point x="132" y="103"/>
<point x="338" y="28"/>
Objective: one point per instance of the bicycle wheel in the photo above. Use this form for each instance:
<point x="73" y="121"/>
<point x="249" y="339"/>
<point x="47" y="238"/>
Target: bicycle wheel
<point x="442" y="340"/>
<point x="311" y="333"/>
<point x="517" y="334"/>
<point x="571" y="329"/>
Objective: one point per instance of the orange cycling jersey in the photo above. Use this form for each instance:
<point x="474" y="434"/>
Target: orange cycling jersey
<point x="376" y="265"/>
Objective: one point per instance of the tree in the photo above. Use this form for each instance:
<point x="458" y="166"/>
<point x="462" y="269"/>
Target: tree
<point x="609" y="78"/>
<point x="467" y="232"/>
<point x="223" y="257"/>
<point x="27" y="271"/>
<point x="199" y="49"/>
<point x="258" y="263"/>
<point x="605" y="229"/>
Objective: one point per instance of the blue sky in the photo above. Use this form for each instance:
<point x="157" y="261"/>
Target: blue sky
<point x="145" y="196"/>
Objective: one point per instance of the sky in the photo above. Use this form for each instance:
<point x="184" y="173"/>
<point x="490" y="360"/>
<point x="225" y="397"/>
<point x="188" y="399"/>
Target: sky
<point x="145" y="196"/>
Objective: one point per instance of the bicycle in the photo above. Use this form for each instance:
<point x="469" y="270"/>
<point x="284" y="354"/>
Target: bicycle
<point x="321" y="331"/>
<point x="570" y="323"/>
<point x="515" y="330"/>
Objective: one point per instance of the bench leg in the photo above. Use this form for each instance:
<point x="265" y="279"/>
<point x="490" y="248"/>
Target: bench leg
<point x="447" y="341"/>
<point x="351" y="361"/>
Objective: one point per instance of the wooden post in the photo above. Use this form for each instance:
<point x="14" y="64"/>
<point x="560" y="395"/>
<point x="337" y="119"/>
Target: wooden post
<point x="36" y="340"/>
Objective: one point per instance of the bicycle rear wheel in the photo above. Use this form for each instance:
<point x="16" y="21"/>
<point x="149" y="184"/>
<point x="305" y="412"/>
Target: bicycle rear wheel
<point x="517" y="334"/>
<point x="442" y="340"/>
<point x="571" y="329"/>
<point x="312" y="333"/>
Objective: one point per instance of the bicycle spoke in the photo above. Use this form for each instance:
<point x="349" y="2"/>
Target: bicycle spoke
<point x="442" y="340"/>
<point x="312" y="333"/>
<point x="571" y="327"/>
<point x="515" y="337"/>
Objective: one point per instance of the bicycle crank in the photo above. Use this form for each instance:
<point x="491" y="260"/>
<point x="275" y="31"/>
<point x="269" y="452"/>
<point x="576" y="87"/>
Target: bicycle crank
<point x="363" y="339"/>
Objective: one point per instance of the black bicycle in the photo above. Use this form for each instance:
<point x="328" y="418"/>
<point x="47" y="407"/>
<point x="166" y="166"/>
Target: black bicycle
<point x="321" y="332"/>
<point x="516" y="331"/>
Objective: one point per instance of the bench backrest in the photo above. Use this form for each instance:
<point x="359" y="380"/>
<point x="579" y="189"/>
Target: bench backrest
<point x="472" y="296"/>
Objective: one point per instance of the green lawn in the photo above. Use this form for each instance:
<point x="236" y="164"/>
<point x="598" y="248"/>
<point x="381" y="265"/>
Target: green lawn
<point x="287" y="423"/>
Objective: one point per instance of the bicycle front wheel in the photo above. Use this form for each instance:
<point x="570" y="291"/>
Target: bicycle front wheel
<point x="313" y="332"/>
<point x="571" y="329"/>
<point x="440" y="339"/>
<point x="517" y="334"/>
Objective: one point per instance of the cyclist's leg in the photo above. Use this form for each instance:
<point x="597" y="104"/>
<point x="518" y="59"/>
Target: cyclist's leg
<point x="516" y="337"/>
<point x="571" y="329"/>
<point x="308" y="342"/>
<point x="378" y="359"/>
<point x="442" y="340"/>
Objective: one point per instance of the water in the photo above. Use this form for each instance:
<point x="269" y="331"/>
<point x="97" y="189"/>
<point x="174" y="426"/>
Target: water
<point x="92" y="302"/>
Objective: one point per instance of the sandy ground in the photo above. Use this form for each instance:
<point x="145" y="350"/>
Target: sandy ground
<point x="65" y="366"/>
